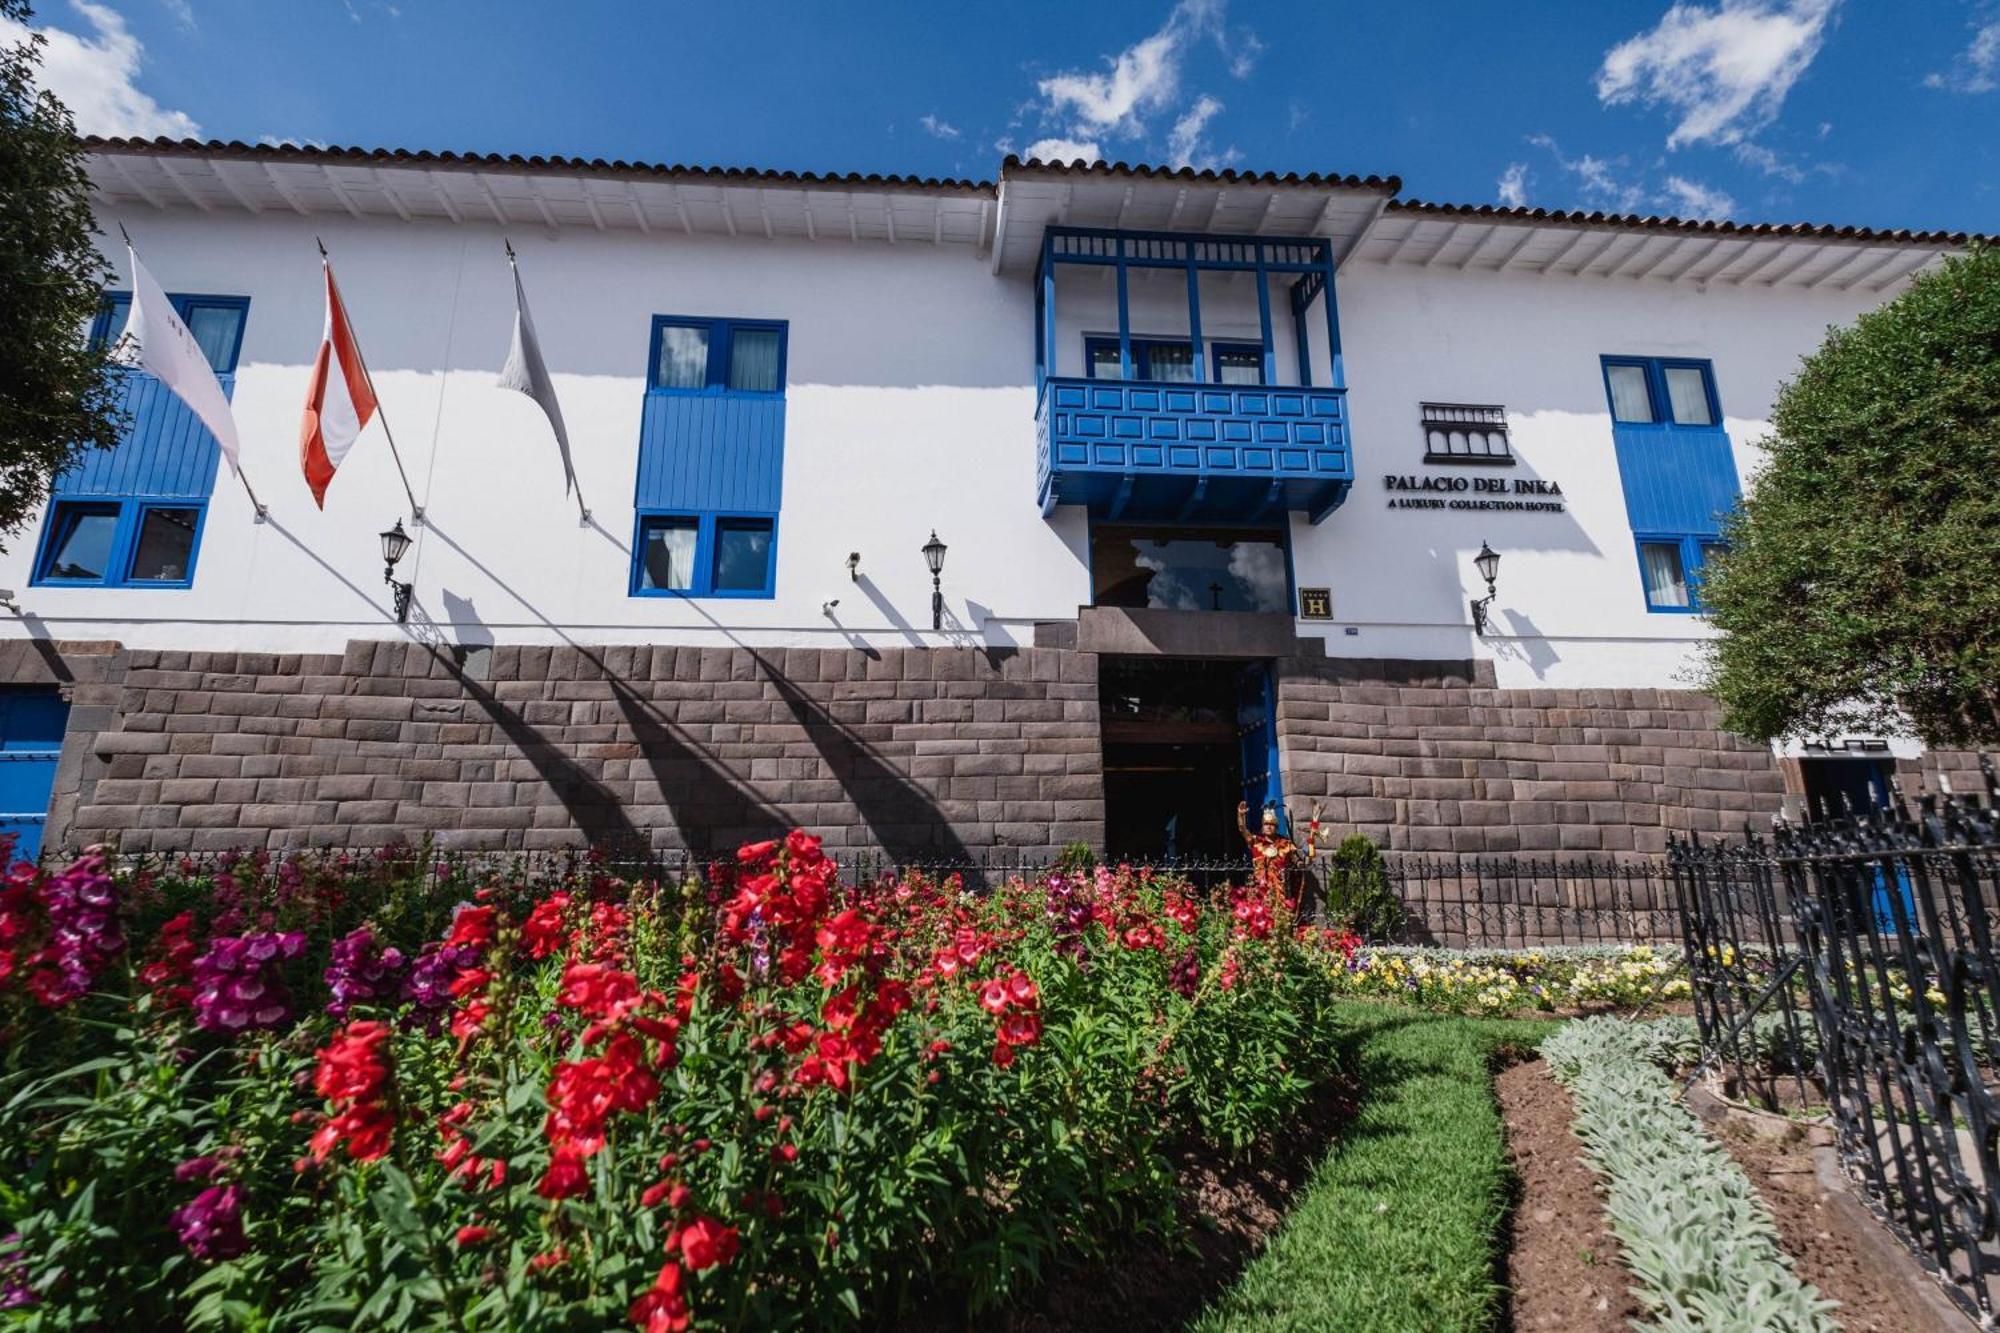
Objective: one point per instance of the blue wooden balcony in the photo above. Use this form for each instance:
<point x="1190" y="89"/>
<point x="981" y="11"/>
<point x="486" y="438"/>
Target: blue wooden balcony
<point x="1192" y="452"/>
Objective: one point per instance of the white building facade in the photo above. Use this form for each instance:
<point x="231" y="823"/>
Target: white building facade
<point x="1210" y="456"/>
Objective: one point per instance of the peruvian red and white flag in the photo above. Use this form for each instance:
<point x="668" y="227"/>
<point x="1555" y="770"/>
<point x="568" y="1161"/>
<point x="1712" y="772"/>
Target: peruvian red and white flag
<point x="340" y="401"/>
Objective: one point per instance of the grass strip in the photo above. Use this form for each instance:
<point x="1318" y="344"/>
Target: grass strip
<point x="1399" y="1227"/>
<point x="1700" y="1243"/>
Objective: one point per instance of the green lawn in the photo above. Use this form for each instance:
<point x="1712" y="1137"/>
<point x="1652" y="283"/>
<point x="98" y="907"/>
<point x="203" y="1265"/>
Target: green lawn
<point x="1398" y="1227"/>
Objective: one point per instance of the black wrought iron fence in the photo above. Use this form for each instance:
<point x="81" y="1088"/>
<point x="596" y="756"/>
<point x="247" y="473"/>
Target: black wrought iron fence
<point x="1468" y="902"/>
<point x="1853" y="961"/>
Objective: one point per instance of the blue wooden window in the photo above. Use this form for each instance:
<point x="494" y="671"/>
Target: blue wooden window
<point x="134" y="543"/>
<point x="717" y="356"/>
<point x="1670" y="567"/>
<point x="131" y="516"/>
<point x="1172" y="361"/>
<point x="215" y="321"/>
<point x="1661" y="391"/>
<point x="705" y="555"/>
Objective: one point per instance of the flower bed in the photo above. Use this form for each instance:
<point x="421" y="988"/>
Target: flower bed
<point x="313" y="1093"/>
<point x="1500" y="981"/>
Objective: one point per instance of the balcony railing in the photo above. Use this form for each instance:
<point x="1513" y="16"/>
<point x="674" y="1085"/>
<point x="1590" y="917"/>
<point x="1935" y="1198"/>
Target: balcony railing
<point x="1143" y="451"/>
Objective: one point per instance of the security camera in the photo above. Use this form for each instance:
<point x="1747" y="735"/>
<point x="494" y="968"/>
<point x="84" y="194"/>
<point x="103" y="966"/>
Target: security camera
<point x="7" y="600"/>
<point x="854" y="566"/>
<point x="826" y="607"/>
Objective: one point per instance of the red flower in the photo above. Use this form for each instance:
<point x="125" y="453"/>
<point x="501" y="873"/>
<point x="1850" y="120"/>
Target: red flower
<point x="1021" y="989"/>
<point x="597" y="990"/>
<point x="566" y="1177"/>
<point x="473" y="1236"/>
<point x="542" y="933"/>
<point x="662" y="1308"/>
<point x="1003" y="1054"/>
<point x="1021" y="1028"/>
<point x="993" y="996"/>
<point x="704" y="1243"/>
<point x="353" y="1074"/>
<point x="474" y="927"/>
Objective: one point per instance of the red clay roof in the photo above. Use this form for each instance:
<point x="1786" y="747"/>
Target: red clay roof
<point x="1815" y="230"/>
<point x="932" y="184"/>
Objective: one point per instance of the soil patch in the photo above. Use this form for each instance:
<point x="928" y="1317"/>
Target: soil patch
<point x="1822" y="1240"/>
<point x="1563" y="1271"/>
<point x="1227" y="1207"/>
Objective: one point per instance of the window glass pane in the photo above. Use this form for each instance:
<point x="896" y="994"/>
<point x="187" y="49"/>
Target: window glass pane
<point x="82" y="548"/>
<point x="753" y="360"/>
<point x="1104" y="362"/>
<point x="1189" y="569"/>
<point x="1631" y="400"/>
<point x="166" y="546"/>
<point x="1660" y="565"/>
<point x="1687" y="392"/>
<point x="683" y="357"/>
<point x="1171" y="362"/>
<point x="666" y="556"/>
<point x="214" y="328"/>
<point x="742" y="555"/>
<point x="1239" y="365"/>
<point x="113" y="311"/>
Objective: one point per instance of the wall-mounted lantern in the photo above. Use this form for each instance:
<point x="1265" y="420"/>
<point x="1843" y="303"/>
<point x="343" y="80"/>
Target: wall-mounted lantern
<point x="934" y="557"/>
<point x="1487" y="562"/>
<point x="394" y="543"/>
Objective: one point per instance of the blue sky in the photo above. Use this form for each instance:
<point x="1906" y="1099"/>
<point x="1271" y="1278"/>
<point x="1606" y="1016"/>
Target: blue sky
<point x="1875" y="112"/>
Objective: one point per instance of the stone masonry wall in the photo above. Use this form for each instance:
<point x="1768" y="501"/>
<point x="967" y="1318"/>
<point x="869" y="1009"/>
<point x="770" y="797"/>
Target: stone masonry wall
<point x="944" y="753"/>
<point x="1430" y="757"/>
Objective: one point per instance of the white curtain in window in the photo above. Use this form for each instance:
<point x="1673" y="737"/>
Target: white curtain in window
<point x="214" y="329"/>
<point x="1666" y="583"/>
<point x="1630" y="399"/>
<point x="683" y="357"/>
<point x="1171" y="362"/>
<point x="1244" y="367"/>
<point x="753" y="360"/>
<point x="1688" y="394"/>
<point x="669" y="561"/>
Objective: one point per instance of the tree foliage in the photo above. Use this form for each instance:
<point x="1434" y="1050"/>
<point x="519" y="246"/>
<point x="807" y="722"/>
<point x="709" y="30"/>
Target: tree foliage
<point x="1861" y="587"/>
<point x="55" y="395"/>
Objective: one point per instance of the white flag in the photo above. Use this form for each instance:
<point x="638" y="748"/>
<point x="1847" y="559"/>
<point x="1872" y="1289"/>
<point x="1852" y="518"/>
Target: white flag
<point x="161" y="345"/>
<point x="526" y="372"/>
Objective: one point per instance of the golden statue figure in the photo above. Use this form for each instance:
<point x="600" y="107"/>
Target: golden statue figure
<point x="1272" y="855"/>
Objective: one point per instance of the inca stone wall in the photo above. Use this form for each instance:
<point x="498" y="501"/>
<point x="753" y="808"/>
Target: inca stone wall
<point x="921" y="754"/>
<point x="1430" y="757"/>
<point x="944" y="753"/>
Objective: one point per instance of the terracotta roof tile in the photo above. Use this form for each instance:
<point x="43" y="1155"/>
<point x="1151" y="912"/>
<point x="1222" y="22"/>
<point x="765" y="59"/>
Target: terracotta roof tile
<point x="1209" y="175"/>
<point x="1806" y="230"/>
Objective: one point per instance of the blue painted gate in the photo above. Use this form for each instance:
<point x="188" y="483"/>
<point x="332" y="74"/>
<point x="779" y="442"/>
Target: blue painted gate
<point x="32" y="722"/>
<point x="1257" y="733"/>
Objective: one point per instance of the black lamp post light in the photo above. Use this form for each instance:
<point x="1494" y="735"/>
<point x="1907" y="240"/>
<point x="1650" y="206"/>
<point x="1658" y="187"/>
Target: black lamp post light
<point x="1487" y="562"/>
<point x="934" y="557"/>
<point x="394" y="543"/>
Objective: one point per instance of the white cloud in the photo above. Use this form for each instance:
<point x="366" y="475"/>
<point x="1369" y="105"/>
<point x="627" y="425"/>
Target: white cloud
<point x="1140" y="82"/>
<point x="1695" y="200"/>
<point x="286" y="141"/>
<point x="93" y="76"/>
<point x="1770" y="163"/>
<point x="182" y="11"/>
<point x="1513" y="185"/>
<point x="1976" y="69"/>
<point x="1063" y="150"/>
<point x="1723" y="70"/>
<point x="1601" y="179"/>
<point x="938" y="129"/>
<point x="1184" y="142"/>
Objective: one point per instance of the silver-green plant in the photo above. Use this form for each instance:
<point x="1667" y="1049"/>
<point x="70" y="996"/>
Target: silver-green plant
<point x="1701" y="1246"/>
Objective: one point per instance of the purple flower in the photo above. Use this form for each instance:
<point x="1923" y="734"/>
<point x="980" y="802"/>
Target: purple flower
<point x="198" y="1168"/>
<point x="1185" y="975"/>
<point x="362" y="972"/>
<point x="212" y="1225"/>
<point x="428" y="986"/>
<point x="14" y="1289"/>
<point x="81" y="906"/>
<point x="237" y="984"/>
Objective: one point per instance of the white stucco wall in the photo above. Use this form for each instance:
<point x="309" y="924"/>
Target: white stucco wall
<point x="910" y="406"/>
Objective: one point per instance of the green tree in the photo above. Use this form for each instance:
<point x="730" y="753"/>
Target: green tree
<point x="55" y="395"/>
<point x="1861" y="587"/>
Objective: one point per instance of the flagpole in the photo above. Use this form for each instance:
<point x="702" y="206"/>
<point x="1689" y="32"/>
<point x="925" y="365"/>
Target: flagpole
<point x="263" y="513"/>
<point x="569" y="469"/>
<point x="416" y="510"/>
